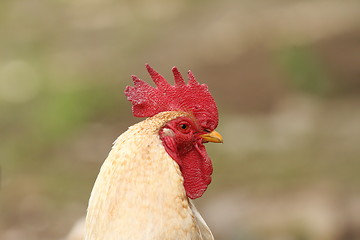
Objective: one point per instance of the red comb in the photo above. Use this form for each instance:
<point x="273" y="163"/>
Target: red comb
<point x="192" y="97"/>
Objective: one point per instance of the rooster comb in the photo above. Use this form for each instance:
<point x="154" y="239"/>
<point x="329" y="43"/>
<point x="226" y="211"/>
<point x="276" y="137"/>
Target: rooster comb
<point x="191" y="97"/>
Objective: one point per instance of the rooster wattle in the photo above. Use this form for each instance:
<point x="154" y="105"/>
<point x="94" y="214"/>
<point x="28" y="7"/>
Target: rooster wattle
<point x="145" y="186"/>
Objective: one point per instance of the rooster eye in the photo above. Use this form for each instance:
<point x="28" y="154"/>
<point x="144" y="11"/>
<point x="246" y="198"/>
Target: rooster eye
<point x="184" y="127"/>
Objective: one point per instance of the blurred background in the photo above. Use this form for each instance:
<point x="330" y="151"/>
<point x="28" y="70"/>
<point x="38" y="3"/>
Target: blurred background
<point x="285" y="75"/>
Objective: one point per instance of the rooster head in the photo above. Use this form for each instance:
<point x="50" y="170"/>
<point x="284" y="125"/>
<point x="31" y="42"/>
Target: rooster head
<point x="182" y="137"/>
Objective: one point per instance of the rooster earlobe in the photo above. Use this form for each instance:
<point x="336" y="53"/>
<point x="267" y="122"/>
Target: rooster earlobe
<point x="159" y="80"/>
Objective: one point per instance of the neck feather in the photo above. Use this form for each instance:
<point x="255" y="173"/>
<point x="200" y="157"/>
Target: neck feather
<point x="138" y="182"/>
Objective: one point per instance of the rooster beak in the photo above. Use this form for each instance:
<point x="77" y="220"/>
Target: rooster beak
<point x="214" y="137"/>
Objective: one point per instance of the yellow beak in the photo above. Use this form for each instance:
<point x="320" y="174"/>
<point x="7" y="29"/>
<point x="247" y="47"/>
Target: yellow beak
<point x="214" y="137"/>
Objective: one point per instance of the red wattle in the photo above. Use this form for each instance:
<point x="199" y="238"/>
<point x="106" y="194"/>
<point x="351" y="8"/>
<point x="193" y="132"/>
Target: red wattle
<point x="195" y="165"/>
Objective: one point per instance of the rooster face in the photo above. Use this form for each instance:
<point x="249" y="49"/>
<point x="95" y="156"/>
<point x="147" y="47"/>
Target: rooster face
<point x="183" y="140"/>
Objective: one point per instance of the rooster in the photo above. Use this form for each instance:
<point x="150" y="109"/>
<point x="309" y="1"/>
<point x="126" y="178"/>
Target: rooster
<point x="145" y="186"/>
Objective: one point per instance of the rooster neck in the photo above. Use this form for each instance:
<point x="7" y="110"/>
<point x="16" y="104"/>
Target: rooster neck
<point x="139" y="190"/>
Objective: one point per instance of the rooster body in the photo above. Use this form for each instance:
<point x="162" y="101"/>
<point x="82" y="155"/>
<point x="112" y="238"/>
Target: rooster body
<point x="140" y="191"/>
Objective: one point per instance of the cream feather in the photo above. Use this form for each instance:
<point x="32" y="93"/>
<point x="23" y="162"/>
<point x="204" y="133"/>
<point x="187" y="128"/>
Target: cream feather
<point x="139" y="192"/>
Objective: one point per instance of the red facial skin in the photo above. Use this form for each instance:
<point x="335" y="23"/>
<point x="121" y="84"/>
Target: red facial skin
<point x="182" y="141"/>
